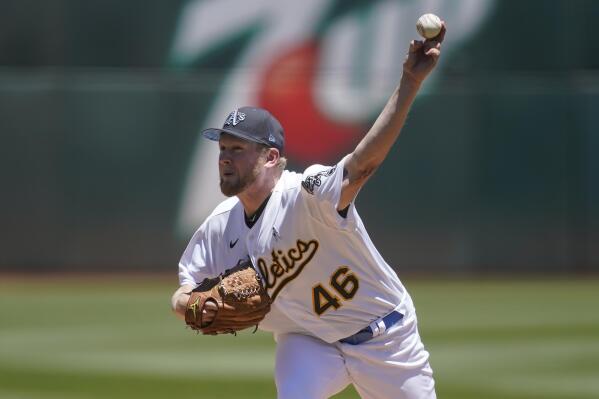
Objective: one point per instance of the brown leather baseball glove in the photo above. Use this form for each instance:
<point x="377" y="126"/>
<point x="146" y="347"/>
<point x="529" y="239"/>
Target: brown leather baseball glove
<point x="238" y="294"/>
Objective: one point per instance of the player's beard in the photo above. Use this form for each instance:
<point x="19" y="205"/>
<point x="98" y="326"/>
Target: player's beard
<point x="236" y="184"/>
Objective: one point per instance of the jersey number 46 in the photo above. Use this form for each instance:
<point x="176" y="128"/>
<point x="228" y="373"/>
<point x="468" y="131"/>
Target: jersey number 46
<point x="343" y="282"/>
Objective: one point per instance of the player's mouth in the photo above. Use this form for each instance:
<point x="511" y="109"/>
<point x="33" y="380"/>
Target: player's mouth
<point x="227" y="173"/>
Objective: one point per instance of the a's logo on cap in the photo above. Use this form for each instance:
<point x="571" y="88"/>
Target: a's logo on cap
<point x="271" y="138"/>
<point x="234" y="118"/>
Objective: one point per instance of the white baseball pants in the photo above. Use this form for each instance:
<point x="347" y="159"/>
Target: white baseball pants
<point x="393" y="365"/>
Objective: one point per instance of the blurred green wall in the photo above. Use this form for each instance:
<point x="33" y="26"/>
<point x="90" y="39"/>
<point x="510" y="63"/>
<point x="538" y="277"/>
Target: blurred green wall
<point x="495" y="171"/>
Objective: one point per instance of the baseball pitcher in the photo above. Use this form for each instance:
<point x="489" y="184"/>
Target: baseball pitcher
<point x="288" y="252"/>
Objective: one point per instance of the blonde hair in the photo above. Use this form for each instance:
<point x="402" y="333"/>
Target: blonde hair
<point x="281" y="162"/>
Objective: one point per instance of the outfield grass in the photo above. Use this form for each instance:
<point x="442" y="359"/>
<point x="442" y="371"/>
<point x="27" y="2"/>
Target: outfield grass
<point x="116" y="338"/>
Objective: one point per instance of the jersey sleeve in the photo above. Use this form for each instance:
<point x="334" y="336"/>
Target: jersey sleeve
<point x="322" y="187"/>
<point x="197" y="261"/>
<point x="324" y="182"/>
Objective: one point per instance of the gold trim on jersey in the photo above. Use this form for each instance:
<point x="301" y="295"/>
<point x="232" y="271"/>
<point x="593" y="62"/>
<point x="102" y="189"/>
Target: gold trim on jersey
<point x="284" y="267"/>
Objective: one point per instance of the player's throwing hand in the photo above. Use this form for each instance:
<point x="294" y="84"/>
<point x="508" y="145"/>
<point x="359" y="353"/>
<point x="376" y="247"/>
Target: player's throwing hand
<point x="423" y="56"/>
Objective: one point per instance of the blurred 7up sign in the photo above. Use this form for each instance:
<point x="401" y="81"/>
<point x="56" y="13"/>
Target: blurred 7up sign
<point x="324" y="68"/>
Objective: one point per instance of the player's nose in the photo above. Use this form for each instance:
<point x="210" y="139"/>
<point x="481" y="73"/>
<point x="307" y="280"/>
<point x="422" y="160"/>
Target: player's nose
<point x="224" y="158"/>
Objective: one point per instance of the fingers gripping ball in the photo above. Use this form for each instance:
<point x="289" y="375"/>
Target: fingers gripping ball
<point x="429" y="26"/>
<point x="240" y="299"/>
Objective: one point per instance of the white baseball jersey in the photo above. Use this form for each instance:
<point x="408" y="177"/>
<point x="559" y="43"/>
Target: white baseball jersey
<point x="323" y="272"/>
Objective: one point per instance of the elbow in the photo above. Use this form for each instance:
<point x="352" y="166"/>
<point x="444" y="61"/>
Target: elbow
<point x="363" y="174"/>
<point x="359" y="168"/>
<point x="363" y="169"/>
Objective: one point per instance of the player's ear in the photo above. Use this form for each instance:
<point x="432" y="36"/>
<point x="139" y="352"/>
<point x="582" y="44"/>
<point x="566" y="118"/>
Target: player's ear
<point x="272" y="156"/>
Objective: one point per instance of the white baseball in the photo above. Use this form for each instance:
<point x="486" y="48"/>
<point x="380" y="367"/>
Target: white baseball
<point x="429" y="26"/>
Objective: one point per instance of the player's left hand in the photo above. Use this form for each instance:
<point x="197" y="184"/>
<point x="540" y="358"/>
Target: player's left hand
<point x="422" y="57"/>
<point x="230" y="302"/>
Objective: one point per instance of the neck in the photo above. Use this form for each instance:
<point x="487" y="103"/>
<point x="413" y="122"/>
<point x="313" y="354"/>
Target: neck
<point x="253" y="196"/>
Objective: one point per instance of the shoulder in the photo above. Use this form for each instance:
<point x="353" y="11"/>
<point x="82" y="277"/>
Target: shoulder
<point x="292" y="180"/>
<point x="289" y="180"/>
<point x="314" y="174"/>
<point x="219" y="218"/>
<point x="323" y="179"/>
<point x="319" y="169"/>
<point x="224" y="208"/>
<point x="316" y="180"/>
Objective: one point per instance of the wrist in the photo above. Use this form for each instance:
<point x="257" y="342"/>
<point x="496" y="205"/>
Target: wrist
<point x="409" y="81"/>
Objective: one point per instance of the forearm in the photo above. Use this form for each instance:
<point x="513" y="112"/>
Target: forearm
<point x="179" y="300"/>
<point x="179" y="304"/>
<point x="374" y="147"/>
<point x="376" y="144"/>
